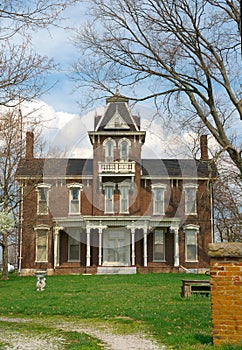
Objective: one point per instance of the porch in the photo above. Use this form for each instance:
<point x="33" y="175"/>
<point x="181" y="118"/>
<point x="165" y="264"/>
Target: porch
<point x="112" y="246"/>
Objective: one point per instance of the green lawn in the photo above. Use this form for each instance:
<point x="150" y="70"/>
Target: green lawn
<point x="150" y="302"/>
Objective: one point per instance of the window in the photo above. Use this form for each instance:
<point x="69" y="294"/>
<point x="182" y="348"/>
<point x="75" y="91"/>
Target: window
<point x="109" y="149"/>
<point x="159" y="245"/>
<point x="191" y="242"/>
<point x="74" y="249"/>
<point x="158" y="199"/>
<point x="190" y="199"/>
<point x="124" y="199"/>
<point x="109" y="191"/>
<point x="43" y="199"/>
<point x="74" y="198"/>
<point x="42" y="244"/>
<point x="124" y="146"/>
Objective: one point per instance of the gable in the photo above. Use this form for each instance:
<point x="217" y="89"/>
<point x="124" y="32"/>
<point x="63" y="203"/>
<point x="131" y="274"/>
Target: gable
<point x="117" y="122"/>
<point x="117" y="116"/>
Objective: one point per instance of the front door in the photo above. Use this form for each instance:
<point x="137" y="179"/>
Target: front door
<point x="116" y="247"/>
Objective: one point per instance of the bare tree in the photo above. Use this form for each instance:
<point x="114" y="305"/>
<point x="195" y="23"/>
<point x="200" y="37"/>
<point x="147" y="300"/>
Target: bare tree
<point x="23" y="71"/>
<point x="183" y="54"/>
<point x="22" y="77"/>
<point x="12" y="149"/>
<point x="228" y="207"/>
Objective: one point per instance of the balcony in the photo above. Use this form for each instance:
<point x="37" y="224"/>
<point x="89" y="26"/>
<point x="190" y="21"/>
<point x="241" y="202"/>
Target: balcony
<point x="116" y="168"/>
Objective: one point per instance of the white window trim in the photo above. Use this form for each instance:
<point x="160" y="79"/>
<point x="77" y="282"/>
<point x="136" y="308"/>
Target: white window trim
<point x="108" y="184"/>
<point x="41" y="228"/>
<point x="43" y="185"/>
<point x="154" y="187"/>
<point x="79" y="252"/>
<point x="124" y="185"/>
<point x="105" y="146"/>
<point x="194" y="187"/>
<point x="70" y="187"/>
<point x="120" y="146"/>
<point x="164" y="242"/>
<point x="195" y="228"/>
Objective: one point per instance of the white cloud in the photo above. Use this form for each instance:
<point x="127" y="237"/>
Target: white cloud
<point x="66" y="134"/>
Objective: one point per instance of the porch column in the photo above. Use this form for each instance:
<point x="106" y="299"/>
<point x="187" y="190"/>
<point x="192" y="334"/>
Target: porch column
<point x="132" y="229"/>
<point x="100" y="232"/>
<point x="88" y="256"/>
<point x="176" y="246"/>
<point x="56" y="246"/>
<point x="145" y="246"/>
<point x="133" y="246"/>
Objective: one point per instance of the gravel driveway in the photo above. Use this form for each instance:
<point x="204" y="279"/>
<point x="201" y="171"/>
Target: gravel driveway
<point x="109" y="340"/>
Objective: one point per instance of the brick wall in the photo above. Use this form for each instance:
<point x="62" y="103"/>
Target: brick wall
<point x="226" y="292"/>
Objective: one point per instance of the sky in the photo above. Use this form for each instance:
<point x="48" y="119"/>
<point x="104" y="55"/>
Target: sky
<point x="65" y="125"/>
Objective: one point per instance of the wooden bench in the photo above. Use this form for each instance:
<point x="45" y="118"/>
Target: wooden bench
<point x="190" y="287"/>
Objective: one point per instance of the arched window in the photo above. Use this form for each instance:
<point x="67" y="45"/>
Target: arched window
<point x="124" y="146"/>
<point x="109" y="149"/>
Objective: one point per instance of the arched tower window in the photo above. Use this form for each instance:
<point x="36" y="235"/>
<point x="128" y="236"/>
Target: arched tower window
<point x="109" y="145"/>
<point x="124" y="146"/>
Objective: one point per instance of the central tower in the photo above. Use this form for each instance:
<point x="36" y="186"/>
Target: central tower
<point x="117" y="141"/>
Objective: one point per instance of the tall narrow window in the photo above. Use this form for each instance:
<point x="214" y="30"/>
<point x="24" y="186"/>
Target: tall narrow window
<point x="191" y="242"/>
<point x="109" y="150"/>
<point x="124" y="146"/>
<point x="42" y="198"/>
<point x="42" y="244"/>
<point x="74" y="198"/>
<point x="158" y="199"/>
<point x="109" y="192"/>
<point x="124" y="150"/>
<point x="124" y="199"/>
<point x="74" y="248"/>
<point x="190" y="199"/>
<point x="159" y="245"/>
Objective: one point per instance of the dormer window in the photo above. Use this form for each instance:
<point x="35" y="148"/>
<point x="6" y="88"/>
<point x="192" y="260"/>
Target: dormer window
<point x="75" y="198"/>
<point x="43" y="198"/>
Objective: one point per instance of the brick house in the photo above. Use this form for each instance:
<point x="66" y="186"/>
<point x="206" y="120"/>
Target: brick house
<point x="115" y="213"/>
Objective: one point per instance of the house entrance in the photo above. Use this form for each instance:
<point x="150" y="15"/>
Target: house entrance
<point x="116" y="247"/>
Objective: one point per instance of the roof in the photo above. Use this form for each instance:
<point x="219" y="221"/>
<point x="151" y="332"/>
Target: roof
<point x="178" y="168"/>
<point x="117" y="116"/>
<point x="59" y="168"/>
<point x="54" y="167"/>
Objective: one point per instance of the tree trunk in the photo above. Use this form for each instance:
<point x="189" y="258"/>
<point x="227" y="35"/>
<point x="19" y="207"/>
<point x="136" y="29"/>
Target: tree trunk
<point x="5" y="256"/>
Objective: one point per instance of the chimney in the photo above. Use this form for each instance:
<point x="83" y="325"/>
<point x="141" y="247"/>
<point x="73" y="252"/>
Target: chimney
<point x="29" y="144"/>
<point x="204" y="147"/>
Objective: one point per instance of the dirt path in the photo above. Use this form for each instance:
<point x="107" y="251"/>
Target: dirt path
<point x="109" y="340"/>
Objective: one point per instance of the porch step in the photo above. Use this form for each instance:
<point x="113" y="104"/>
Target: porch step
<point x="116" y="270"/>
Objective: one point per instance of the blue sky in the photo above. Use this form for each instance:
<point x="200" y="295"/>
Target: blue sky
<point x="68" y="123"/>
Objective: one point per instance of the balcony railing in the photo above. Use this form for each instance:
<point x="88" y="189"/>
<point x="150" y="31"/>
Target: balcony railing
<point x="116" y="167"/>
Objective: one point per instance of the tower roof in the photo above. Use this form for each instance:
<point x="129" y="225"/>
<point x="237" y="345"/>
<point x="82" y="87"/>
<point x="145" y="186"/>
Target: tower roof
<point x="117" y="116"/>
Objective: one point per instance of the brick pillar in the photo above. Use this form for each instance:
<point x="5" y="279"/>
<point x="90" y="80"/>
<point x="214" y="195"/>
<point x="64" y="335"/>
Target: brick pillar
<point x="226" y="292"/>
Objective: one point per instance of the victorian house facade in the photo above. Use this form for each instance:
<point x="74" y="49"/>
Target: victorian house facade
<point x="117" y="212"/>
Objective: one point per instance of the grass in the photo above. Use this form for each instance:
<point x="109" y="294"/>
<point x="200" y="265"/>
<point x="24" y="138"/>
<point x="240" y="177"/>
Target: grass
<point x="149" y="303"/>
